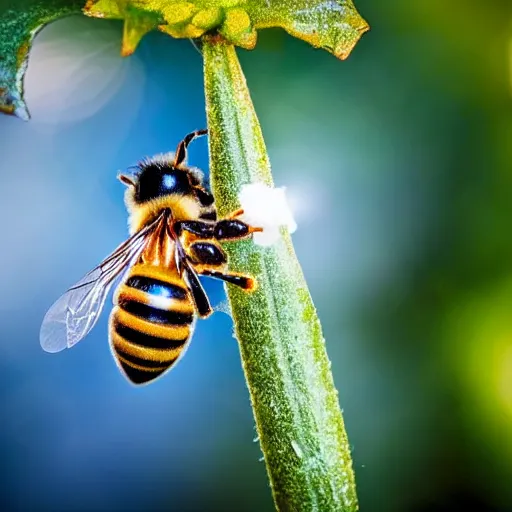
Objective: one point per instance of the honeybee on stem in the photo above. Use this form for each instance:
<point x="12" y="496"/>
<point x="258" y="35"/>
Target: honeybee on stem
<point x="174" y="238"/>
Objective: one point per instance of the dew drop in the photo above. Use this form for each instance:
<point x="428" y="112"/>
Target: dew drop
<point x="297" y="449"/>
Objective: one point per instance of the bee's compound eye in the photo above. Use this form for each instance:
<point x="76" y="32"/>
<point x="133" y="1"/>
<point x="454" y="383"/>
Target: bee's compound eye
<point x="169" y="181"/>
<point x="156" y="181"/>
<point x="175" y="182"/>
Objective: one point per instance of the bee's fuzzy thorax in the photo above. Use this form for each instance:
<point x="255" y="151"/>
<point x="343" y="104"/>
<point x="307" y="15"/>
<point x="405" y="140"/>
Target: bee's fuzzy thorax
<point x="183" y="207"/>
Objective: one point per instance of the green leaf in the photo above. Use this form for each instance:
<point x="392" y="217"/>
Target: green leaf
<point x="333" y="25"/>
<point x="295" y="403"/>
<point x="20" y="20"/>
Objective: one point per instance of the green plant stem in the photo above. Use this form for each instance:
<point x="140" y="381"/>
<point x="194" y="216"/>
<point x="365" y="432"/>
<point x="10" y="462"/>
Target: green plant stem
<point x="295" y="403"/>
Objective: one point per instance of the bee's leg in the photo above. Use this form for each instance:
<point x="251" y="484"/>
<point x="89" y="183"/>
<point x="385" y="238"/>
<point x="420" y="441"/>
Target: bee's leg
<point x="181" y="151"/>
<point x="209" y="214"/>
<point x="226" y="229"/>
<point x="206" y="253"/>
<point x="232" y="229"/>
<point x="196" y="289"/>
<point x="244" y="282"/>
<point x="196" y="227"/>
<point x="235" y="214"/>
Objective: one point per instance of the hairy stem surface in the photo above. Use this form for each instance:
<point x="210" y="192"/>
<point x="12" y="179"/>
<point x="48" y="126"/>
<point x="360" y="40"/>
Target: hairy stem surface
<point x="295" y="403"/>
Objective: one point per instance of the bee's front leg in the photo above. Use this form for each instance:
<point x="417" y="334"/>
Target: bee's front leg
<point x="196" y="227"/>
<point x="204" y="253"/>
<point x="232" y="228"/>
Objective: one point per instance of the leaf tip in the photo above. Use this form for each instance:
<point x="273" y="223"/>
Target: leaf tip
<point x="332" y="25"/>
<point x="348" y="39"/>
<point x="132" y="35"/>
<point x="136" y="26"/>
<point x="11" y="85"/>
<point x="13" y="106"/>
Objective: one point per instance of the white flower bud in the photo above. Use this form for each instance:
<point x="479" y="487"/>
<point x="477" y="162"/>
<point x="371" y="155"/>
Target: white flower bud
<point x="266" y="207"/>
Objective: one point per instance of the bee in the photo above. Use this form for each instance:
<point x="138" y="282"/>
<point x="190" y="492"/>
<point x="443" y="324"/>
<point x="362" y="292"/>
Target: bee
<point x="174" y="238"/>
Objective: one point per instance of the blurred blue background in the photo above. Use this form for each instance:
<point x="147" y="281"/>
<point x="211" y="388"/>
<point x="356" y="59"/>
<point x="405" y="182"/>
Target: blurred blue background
<point x="398" y="163"/>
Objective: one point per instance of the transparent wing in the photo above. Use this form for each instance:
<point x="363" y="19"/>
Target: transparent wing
<point x="74" y="314"/>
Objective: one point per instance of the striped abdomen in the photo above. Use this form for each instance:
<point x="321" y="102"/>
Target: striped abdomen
<point x="151" y="323"/>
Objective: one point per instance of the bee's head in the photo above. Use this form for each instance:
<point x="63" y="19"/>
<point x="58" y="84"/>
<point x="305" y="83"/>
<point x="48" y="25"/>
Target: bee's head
<point x="158" y="177"/>
<point x="166" y="182"/>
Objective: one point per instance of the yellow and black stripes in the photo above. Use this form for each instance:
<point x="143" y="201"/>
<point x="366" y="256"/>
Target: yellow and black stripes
<point x="152" y="322"/>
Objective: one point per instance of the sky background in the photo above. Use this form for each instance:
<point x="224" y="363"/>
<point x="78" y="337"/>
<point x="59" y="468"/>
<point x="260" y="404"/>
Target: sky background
<point x="398" y="164"/>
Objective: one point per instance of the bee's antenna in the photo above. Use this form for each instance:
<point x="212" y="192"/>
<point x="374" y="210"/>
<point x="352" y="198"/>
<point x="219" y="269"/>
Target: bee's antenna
<point x="181" y="150"/>
<point x="126" y="180"/>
